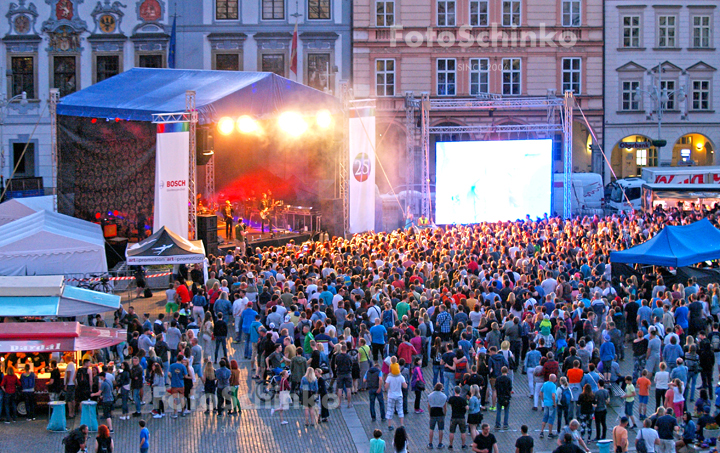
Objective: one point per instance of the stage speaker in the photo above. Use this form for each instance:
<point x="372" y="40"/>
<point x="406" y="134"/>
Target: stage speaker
<point x="207" y="232"/>
<point x="331" y="210"/>
<point x="204" y="145"/>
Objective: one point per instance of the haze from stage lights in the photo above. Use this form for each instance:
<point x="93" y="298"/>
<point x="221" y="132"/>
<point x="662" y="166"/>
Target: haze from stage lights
<point x="490" y="181"/>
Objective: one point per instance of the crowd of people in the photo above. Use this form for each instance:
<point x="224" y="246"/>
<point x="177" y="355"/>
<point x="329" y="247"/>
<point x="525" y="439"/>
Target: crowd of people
<point x="452" y="316"/>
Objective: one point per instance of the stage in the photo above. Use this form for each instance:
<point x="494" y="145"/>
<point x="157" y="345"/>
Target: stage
<point x="256" y="238"/>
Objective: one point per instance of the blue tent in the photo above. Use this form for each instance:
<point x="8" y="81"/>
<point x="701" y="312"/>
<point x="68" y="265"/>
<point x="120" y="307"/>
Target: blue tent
<point x="675" y="246"/>
<point x="138" y="93"/>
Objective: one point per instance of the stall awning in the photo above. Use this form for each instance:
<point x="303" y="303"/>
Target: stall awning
<point x="50" y="296"/>
<point x="138" y="93"/>
<point x="56" y="337"/>
<point x="165" y="247"/>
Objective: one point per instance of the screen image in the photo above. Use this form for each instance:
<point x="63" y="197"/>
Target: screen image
<point x="490" y="181"/>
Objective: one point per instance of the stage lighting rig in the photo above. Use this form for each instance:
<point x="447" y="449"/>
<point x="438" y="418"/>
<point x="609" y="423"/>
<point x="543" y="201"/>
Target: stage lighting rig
<point x="226" y="125"/>
<point x="292" y="123"/>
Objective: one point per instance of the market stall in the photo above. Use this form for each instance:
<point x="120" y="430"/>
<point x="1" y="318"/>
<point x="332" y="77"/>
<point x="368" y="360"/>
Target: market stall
<point x="40" y="296"/>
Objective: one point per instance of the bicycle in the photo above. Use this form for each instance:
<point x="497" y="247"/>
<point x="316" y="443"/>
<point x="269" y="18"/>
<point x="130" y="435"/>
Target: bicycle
<point x="103" y="285"/>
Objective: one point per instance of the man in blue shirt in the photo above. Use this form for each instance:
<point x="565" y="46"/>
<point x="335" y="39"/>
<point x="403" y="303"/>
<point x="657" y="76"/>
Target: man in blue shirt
<point x="108" y="399"/>
<point x="377" y="334"/>
<point x="144" y="438"/>
<point x="532" y="359"/>
<point x="671" y="353"/>
<point x="177" y="372"/>
<point x="326" y="297"/>
<point x="548" y="391"/>
<point x="247" y="317"/>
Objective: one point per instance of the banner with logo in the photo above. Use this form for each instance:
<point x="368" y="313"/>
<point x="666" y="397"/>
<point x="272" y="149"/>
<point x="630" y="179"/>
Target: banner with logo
<point x="362" y="170"/>
<point x="172" y="171"/>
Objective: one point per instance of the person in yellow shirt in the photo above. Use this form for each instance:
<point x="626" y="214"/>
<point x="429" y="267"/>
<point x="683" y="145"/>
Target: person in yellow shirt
<point x="630" y="400"/>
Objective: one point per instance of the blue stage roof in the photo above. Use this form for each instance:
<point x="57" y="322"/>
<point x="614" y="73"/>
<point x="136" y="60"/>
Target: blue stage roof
<point x="138" y="93"/>
<point x="675" y="246"/>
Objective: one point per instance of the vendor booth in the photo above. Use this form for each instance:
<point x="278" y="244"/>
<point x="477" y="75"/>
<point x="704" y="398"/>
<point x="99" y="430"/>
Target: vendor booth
<point x="675" y="246"/>
<point x="48" y="243"/>
<point x="41" y="296"/>
<point x="36" y="344"/>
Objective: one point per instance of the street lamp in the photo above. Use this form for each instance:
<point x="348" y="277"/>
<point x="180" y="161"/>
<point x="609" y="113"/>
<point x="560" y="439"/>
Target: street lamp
<point x="4" y="103"/>
<point x="661" y="97"/>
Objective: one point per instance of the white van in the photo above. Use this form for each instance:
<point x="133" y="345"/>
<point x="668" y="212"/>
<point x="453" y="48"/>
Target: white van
<point x="586" y="194"/>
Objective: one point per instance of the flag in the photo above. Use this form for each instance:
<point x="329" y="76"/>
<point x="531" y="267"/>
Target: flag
<point x="293" y="52"/>
<point x="171" y="47"/>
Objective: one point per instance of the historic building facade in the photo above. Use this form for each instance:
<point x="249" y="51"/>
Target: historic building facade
<point x="72" y="44"/>
<point x="484" y="49"/>
<point x="661" y="84"/>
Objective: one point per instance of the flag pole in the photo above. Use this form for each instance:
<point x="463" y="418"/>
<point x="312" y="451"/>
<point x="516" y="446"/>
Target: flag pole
<point x="294" y="47"/>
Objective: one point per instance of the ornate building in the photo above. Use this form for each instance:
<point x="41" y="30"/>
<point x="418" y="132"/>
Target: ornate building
<point x="72" y="44"/>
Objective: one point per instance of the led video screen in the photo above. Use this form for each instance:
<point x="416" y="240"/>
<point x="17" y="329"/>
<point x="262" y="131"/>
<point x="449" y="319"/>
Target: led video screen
<point x="490" y="181"/>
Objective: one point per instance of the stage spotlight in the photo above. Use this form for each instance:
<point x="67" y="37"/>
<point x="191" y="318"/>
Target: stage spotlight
<point x="226" y="125"/>
<point x="292" y="123"/>
<point x="323" y="119"/>
<point x="247" y="125"/>
<point x="94" y="120"/>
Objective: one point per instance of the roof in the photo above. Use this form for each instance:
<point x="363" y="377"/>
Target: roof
<point x="56" y="337"/>
<point x="675" y="246"/>
<point x="165" y="247"/>
<point x="54" y="223"/>
<point x="138" y="93"/>
<point x="50" y="296"/>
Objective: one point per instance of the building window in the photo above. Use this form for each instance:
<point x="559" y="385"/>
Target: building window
<point x="571" y="71"/>
<point x="24" y="164"/>
<point x="631" y="31"/>
<point x="646" y="157"/>
<point x="479" y="13"/>
<point x="446" y="77"/>
<point x="318" y="9"/>
<point x="666" y="31"/>
<point x="273" y="9"/>
<point x="511" y="76"/>
<point x="667" y="89"/>
<point x="106" y="66"/>
<point x="571" y="13"/>
<point x="479" y="76"/>
<point x="274" y="63"/>
<point x="319" y="71"/>
<point x="226" y="9"/>
<point x="65" y="75"/>
<point x="385" y="77"/>
<point x="701" y="31"/>
<point x="511" y="13"/>
<point x="150" y="61"/>
<point x="701" y="95"/>
<point x="385" y="13"/>
<point x="23" y="76"/>
<point x="227" y="62"/>
<point x="630" y="99"/>
<point x="446" y="13"/>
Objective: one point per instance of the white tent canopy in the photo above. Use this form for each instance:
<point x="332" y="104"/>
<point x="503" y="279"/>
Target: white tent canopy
<point x="17" y="208"/>
<point x="165" y="247"/>
<point x="47" y="243"/>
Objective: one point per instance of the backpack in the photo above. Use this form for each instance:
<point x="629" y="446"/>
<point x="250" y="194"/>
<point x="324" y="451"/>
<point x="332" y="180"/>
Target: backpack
<point x="692" y="363"/>
<point x="460" y="370"/>
<point x="104" y="445"/>
<point x="588" y="328"/>
<point x="565" y="397"/>
<point x="715" y="343"/>
<point x="83" y="379"/>
<point x="373" y="378"/>
<point x="388" y="319"/>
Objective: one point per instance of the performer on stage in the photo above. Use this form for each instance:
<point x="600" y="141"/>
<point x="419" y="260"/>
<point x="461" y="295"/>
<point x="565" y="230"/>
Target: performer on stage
<point x="228" y="214"/>
<point x="240" y="230"/>
<point x="409" y="218"/>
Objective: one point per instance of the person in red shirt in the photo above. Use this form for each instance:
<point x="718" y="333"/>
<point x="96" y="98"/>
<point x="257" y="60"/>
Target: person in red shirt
<point x="9" y="384"/>
<point x="406" y="350"/>
<point x="643" y="386"/>
<point x="183" y="294"/>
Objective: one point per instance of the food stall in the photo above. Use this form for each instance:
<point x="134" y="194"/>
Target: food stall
<point x="38" y="343"/>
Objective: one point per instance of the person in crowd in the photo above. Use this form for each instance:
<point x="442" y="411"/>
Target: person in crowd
<point x="437" y="409"/>
<point x="104" y="442"/>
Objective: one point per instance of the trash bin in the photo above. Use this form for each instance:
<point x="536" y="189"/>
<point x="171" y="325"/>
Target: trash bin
<point x="605" y="445"/>
<point x="57" y="416"/>
<point x="88" y="416"/>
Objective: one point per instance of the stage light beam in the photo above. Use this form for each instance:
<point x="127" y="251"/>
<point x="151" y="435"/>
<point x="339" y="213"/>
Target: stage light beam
<point x="323" y="119"/>
<point x="292" y="123"/>
<point x="226" y="125"/>
<point x="247" y="125"/>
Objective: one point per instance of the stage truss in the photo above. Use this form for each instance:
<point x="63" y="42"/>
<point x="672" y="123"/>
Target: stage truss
<point x="558" y="119"/>
<point x="190" y="115"/>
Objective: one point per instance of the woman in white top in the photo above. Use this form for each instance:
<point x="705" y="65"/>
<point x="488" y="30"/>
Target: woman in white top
<point x="678" y="401"/>
<point x="662" y="381"/>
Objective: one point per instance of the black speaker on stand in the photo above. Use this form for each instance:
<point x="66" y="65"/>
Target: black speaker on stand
<point x="207" y="232"/>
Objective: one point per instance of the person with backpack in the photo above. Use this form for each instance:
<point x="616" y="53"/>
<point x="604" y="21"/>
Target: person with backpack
<point x="389" y="317"/>
<point x="564" y="400"/>
<point x="417" y="383"/>
<point x="504" y="387"/>
<point x="77" y="440"/>
<point x="103" y="441"/>
<point x="692" y="361"/>
<point x="373" y="380"/>
<point x="496" y="362"/>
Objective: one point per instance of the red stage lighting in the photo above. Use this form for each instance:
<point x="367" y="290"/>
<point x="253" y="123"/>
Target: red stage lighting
<point x="97" y="215"/>
<point x="117" y="120"/>
<point x="94" y="120"/>
<point x="116" y="212"/>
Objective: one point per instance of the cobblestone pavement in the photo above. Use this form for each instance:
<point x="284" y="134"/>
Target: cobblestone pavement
<point x="256" y="431"/>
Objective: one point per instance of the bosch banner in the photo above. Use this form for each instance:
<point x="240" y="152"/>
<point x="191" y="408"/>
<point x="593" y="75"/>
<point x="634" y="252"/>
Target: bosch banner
<point x="172" y="171"/>
<point x="362" y="168"/>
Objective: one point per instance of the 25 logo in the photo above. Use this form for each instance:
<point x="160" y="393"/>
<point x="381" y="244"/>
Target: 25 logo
<point x="362" y="166"/>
